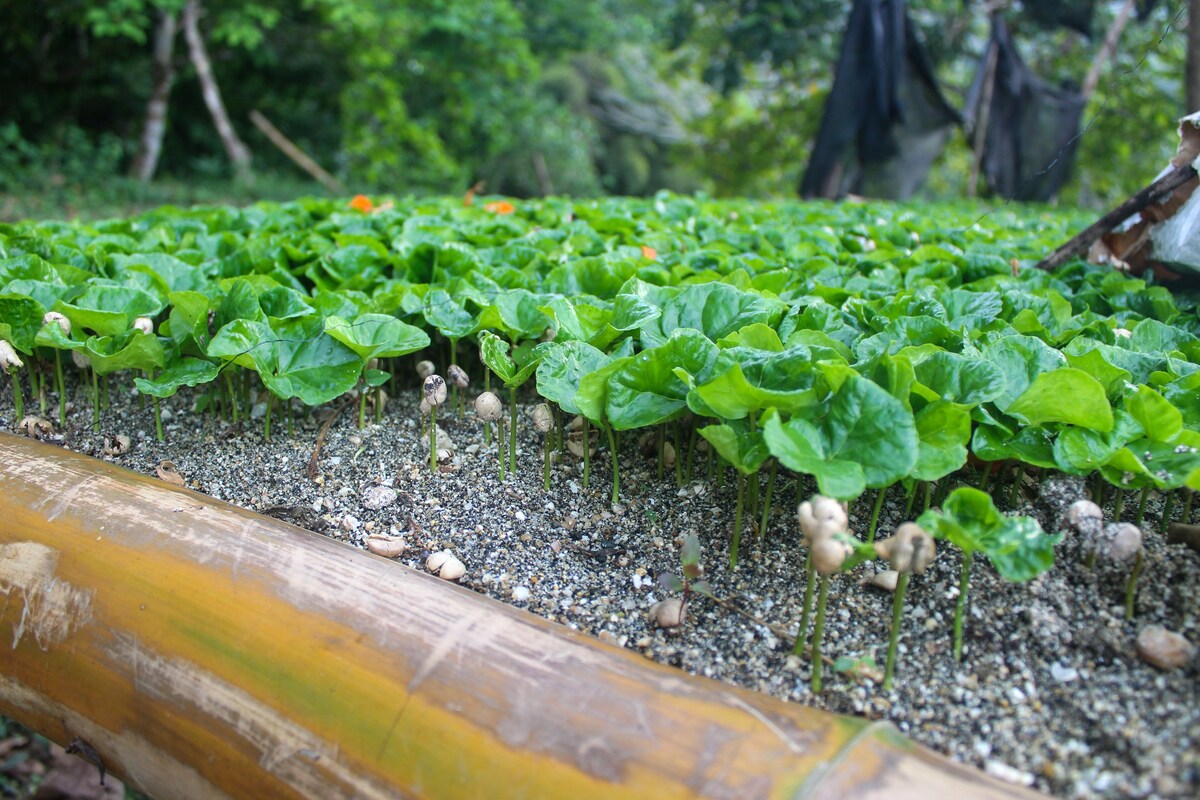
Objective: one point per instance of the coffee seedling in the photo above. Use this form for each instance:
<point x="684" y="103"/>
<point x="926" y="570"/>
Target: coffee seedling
<point x="489" y="409"/>
<point x="543" y="423"/>
<point x="10" y="362"/>
<point x="819" y="518"/>
<point x="909" y="552"/>
<point x="458" y="381"/>
<point x="64" y="325"/>
<point x="434" y="390"/>
<point x="671" y="613"/>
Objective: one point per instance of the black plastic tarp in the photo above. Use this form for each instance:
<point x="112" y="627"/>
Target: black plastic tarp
<point x="1031" y="127"/>
<point x="885" y="119"/>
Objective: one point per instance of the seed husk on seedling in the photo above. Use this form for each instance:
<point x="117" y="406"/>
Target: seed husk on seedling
<point x="10" y="362"/>
<point x="909" y="552"/>
<point x="489" y="409"/>
<point x="458" y="379"/>
<point x="64" y="324"/>
<point x="543" y="423"/>
<point x="819" y="517"/>
<point x="434" y="390"/>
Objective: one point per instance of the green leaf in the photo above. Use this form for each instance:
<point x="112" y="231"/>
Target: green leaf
<point x="865" y="437"/>
<point x="1161" y="421"/>
<point x="646" y="391"/>
<point x="562" y="368"/>
<point x="738" y="445"/>
<point x="494" y="352"/>
<point x="748" y="380"/>
<point x="377" y="336"/>
<point x="943" y="430"/>
<point x="1021" y="359"/>
<point x="20" y="320"/>
<point x="1065" y="395"/>
<point x="131" y="350"/>
<point x="1016" y="546"/>
<point x="958" y="379"/>
<point x="714" y="309"/>
<point x="186" y="371"/>
<point x="445" y="313"/>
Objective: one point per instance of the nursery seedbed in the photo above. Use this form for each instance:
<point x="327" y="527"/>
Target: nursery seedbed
<point x="1050" y="692"/>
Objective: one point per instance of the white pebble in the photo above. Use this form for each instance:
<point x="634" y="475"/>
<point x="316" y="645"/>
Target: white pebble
<point x="520" y="594"/>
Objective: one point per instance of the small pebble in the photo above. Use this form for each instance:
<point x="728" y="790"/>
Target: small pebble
<point x="377" y="497"/>
<point x="1164" y="649"/>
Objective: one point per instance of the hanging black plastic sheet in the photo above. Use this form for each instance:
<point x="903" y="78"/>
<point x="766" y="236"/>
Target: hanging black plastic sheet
<point x="1031" y="126"/>
<point x="885" y="119"/>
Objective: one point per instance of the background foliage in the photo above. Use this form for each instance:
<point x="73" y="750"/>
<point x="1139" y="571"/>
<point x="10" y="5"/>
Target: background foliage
<point x="613" y="96"/>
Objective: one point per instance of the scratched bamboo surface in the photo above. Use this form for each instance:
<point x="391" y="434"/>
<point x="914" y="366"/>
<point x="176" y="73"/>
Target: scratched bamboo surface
<point x="205" y="651"/>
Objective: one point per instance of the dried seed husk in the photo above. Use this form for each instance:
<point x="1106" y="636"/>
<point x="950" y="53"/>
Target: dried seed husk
<point x="669" y="613"/>
<point x="488" y="407"/>
<point x="543" y="419"/>
<point x="821" y="517"/>
<point x="911" y="550"/>
<point x="434" y="388"/>
<point x="456" y="375"/>
<point x="59" y="319"/>
<point x="425" y="369"/>
<point x="387" y="546"/>
<point x="143" y="324"/>
<point x="8" y="357"/>
<point x="35" y="427"/>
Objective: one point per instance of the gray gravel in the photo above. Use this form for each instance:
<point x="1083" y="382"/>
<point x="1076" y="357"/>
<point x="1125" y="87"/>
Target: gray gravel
<point x="1050" y="692"/>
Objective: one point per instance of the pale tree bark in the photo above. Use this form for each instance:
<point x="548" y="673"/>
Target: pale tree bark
<point x="150" y="144"/>
<point x="237" y="151"/>
<point x="1108" y="48"/>
<point x="1193" y="57"/>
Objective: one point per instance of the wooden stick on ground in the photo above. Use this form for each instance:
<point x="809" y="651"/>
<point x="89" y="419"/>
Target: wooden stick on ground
<point x="297" y="155"/>
<point x="1159" y="190"/>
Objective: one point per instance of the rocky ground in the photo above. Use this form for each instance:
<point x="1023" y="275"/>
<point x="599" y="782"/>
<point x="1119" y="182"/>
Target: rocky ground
<point x="1051" y="691"/>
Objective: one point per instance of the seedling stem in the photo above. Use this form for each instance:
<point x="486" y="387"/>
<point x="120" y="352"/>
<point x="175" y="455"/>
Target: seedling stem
<point x="818" y="632"/>
<point x="960" y="609"/>
<point x="897" y="617"/>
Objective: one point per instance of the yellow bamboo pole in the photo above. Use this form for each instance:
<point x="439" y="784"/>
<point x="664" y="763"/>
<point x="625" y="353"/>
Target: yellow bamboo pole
<point x="204" y="651"/>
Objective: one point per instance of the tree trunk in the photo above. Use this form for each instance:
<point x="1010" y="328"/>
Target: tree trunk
<point x="1108" y="48"/>
<point x="236" y="150"/>
<point x="1193" y="57"/>
<point x="155" y="125"/>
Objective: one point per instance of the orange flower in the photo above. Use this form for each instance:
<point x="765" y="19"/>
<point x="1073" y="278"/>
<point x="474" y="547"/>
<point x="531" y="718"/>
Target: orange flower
<point x="649" y="253"/>
<point x="500" y="207"/>
<point x="361" y="203"/>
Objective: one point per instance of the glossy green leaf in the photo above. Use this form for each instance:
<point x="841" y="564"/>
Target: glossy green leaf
<point x="1016" y="546"/>
<point x="1065" y="395"/>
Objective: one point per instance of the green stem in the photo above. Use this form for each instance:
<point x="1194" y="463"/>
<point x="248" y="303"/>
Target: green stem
<point x="547" y="446"/>
<point x="678" y="453"/>
<point x="879" y="495"/>
<point x="1100" y="490"/>
<point x="267" y="418"/>
<point x="512" y="430"/>
<point x="1131" y="585"/>
<point x="35" y="384"/>
<point x="62" y="394"/>
<point x="737" y="521"/>
<point x="805" y="607"/>
<point x="587" y="451"/>
<point x="960" y="608"/>
<point x="232" y="395"/>
<point x="1187" y="506"/>
<point x="1014" y="495"/>
<point x="766" y="511"/>
<point x="158" y="430"/>
<point x="897" y="617"/>
<point x="910" y="497"/>
<point x="1089" y="561"/>
<point x="95" y="402"/>
<point x="1168" y="509"/>
<point x="499" y="445"/>
<point x="18" y="400"/>
<point x="1141" y="508"/>
<point x="928" y="493"/>
<point x="433" y="439"/>
<point x="362" y="408"/>
<point x="818" y="632"/>
<point x="691" y="452"/>
<point x="987" y="476"/>
<point x="662" y="442"/>
<point x="559" y="428"/>
<point x="612" y="446"/>
<point x="1118" y="505"/>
